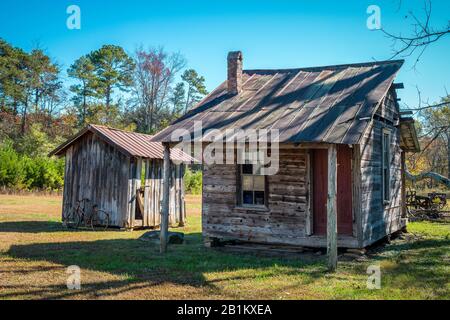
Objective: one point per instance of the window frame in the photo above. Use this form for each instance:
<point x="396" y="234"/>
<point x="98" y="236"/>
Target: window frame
<point x="385" y="167"/>
<point x="240" y="189"/>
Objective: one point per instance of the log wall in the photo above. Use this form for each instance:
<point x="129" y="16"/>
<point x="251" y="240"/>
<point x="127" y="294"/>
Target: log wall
<point x="287" y="218"/>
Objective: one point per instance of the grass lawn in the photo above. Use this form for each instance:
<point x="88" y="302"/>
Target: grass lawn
<point x="35" y="251"/>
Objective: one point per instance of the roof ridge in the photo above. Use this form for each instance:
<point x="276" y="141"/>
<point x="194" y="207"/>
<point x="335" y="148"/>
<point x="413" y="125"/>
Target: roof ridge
<point x="121" y="130"/>
<point x="133" y="144"/>
<point x="336" y="66"/>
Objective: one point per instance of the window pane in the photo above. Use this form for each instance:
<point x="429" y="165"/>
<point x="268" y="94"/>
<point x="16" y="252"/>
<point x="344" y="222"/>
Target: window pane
<point x="258" y="183"/>
<point x="247" y="197"/>
<point x="259" y="198"/>
<point x="247" y="169"/>
<point x="253" y="186"/>
<point x="258" y="169"/>
<point x="247" y="183"/>
<point x="386" y="184"/>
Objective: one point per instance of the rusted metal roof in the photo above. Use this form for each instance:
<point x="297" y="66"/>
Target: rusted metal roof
<point x="130" y="143"/>
<point x="332" y="104"/>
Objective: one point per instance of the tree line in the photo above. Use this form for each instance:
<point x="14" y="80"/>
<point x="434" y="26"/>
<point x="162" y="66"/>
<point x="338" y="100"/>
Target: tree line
<point x="42" y="103"/>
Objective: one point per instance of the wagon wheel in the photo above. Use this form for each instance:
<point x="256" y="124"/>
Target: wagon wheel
<point x="100" y="219"/>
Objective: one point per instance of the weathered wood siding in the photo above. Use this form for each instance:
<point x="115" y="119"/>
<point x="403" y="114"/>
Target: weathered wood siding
<point x="379" y="219"/>
<point x="287" y="219"/>
<point x="153" y="194"/>
<point x="283" y="222"/>
<point x="99" y="172"/>
<point x="96" y="171"/>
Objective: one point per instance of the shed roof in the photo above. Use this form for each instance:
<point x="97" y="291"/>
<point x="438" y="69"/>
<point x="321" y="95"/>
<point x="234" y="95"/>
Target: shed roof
<point x="332" y="104"/>
<point x="130" y="143"/>
<point x="408" y="135"/>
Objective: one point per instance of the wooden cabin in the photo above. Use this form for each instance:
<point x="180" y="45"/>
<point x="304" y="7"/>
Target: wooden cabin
<point x="121" y="172"/>
<point x="342" y="145"/>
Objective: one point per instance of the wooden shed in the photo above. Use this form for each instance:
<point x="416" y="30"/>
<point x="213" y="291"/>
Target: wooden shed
<point x="342" y="145"/>
<point x="121" y="172"/>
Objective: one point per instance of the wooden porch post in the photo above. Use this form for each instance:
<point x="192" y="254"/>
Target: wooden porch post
<point x="165" y="202"/>
<point x="181" y="197"/>
<point x="332" y="209"/>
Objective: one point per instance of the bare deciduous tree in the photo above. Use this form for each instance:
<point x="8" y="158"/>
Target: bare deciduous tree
<point x="154" y="76"/>
<point x="422" y="35"/>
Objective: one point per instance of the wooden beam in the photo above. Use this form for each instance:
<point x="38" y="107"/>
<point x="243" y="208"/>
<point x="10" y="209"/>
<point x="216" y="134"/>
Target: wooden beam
<point x="166" y="200"/>
<point x="181" y="198"/>
<point x="332" y="209"/>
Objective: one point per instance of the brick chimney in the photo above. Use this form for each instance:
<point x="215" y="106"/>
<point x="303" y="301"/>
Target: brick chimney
<point x="235" y="72"/>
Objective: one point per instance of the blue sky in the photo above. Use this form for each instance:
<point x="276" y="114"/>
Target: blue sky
<point x="271" y="34"/>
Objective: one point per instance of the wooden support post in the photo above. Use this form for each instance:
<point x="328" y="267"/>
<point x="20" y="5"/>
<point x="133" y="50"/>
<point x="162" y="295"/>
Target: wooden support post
<point x="182" y="201"/>
<point x="166" y="200"/>
<point x="332" y="209"/>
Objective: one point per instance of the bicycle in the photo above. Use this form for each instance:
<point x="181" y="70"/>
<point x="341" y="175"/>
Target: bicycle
<point x="76" y="215"/>
<point x="95" y="219"/>
<point x="99" y="218"/>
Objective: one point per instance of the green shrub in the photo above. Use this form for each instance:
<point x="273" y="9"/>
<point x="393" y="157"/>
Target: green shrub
<point x="12" y="173"/>
<point x="193" y="181"/>
<point x="44" y="173"/>
<point x="21" y="172"/>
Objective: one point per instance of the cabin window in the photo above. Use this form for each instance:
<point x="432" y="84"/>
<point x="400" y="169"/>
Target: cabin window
<point x="253" y="186"/>
<point x="385" y="153"/>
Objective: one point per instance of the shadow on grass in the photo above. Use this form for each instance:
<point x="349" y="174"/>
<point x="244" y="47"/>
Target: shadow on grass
<point x="419" y="264"/>
<point x="32" y="227"/>
<point x="139" y="267"/>
<point x="144" y="267"/>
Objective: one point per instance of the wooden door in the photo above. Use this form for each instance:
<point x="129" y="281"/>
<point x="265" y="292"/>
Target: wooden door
<point x="319" y="165"/>
<point x="344" y="190"/>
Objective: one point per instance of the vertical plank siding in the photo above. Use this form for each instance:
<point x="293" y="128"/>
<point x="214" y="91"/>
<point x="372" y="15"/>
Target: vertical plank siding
<point x="99" y="172"/>
<point x="378" y="219"/>
<point x="153" y="194"/>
